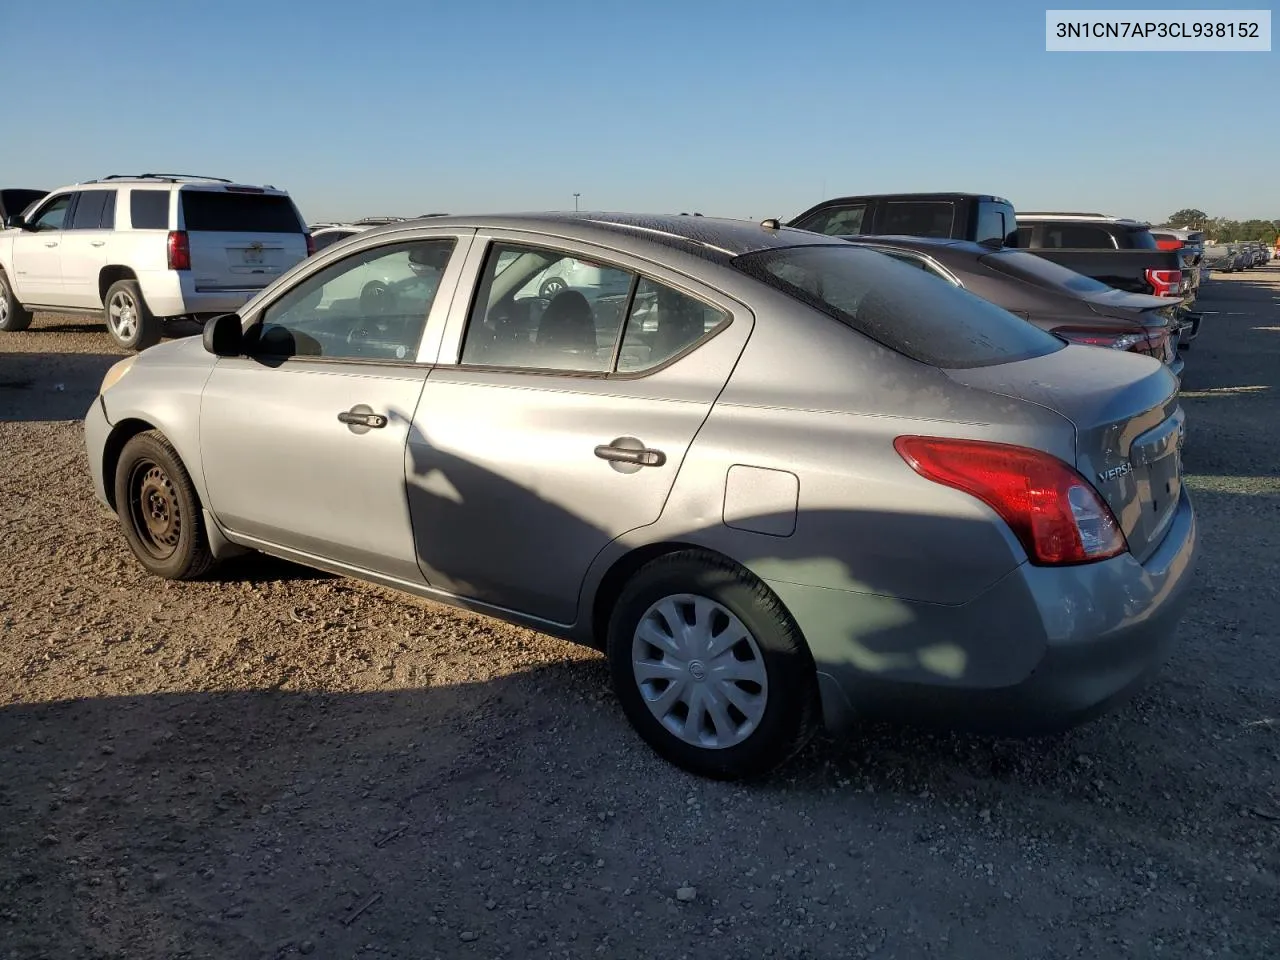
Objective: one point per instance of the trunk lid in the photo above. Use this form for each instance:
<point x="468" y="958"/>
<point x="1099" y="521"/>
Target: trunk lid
<point x="240" y="238"/>
<point x="1129" y="427"/>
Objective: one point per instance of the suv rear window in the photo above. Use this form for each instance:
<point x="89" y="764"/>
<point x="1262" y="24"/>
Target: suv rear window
<point x="220" y="212"/>
<point x="908" y="310"/>
<point x="1141" y="240"/>
<point x="1042" y="272"/>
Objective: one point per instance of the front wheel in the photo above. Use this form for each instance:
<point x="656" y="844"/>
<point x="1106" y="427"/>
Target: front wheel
<point x="159" y="509"/>
<point x="710" y="668"/>
<point x="12" y="315"/>
<point x="129" y="322"/>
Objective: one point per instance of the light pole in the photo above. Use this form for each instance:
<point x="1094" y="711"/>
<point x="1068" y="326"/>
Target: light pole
<point x="575" y="202"/>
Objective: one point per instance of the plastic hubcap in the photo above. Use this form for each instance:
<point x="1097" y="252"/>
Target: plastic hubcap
<point x="700" y="671"/>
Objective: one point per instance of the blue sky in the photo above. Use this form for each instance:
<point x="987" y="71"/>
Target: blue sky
<point x="740" y="108"/>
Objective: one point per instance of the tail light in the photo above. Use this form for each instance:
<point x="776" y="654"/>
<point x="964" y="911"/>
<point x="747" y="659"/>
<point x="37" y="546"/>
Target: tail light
<point x="1169" y="244"/>
<point x="1055" y="513"/>
<point x="1166" y="283"/>
<point x="1104" y="338"/>
<point x="179" y="247"/>
<point x="311" y="245"/>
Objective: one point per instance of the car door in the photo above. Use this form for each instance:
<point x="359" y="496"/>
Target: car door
<point x="37" y="253"/>
<point x="550" y="427"/>
<point x="302" y="438"/>
<point x="84" y="246"/>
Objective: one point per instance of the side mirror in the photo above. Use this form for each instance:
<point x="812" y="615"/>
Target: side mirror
<point x="223" y="335"/>
<point x="14" y="221"/>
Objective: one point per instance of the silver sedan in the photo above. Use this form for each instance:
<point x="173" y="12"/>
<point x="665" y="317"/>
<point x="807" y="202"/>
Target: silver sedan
<point x="780" y="480"/>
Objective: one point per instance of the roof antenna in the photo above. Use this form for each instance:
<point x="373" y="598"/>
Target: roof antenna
<point x="771" y="224"/>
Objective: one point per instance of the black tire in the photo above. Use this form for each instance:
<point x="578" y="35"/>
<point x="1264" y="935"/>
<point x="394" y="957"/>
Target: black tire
<point x="159" y="509"/>
<point x="551" y="287"/>
<point x="134" y="327"/>
<point x="790" y="716"/>
<point x="13" y="317"/>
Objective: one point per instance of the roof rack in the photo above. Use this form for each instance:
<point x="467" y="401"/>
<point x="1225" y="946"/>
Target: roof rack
<point x="376" y="221"/>
<point x="171" y="177"/>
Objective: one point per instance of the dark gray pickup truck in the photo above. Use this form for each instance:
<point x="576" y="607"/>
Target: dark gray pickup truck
<point x="979" y="217"/>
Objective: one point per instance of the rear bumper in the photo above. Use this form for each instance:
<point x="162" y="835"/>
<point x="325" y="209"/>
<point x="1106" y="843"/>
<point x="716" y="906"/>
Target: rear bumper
<point x="173" y="293"/>
<point x="1041" y="651"/>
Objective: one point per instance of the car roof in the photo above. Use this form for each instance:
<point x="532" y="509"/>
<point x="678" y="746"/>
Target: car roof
<point x="1125" y="222"/>
<point x="712" y="238"/>
<point x="925" y="243"/>
<point x="173" y="180"/>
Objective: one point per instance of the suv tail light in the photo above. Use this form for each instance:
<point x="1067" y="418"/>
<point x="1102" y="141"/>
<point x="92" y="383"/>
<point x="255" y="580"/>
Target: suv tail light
<point x="179" y="248"/>
<point x="311" y="245"/>
<point x="1167" y="283"/>
<point x="1055" y="513"/>
<point x="1172" y="244"/>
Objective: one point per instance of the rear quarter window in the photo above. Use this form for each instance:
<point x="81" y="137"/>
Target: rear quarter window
<point x="149" y="209"/>
<point x="222" y="212"/>
<point x="902" y="307"/>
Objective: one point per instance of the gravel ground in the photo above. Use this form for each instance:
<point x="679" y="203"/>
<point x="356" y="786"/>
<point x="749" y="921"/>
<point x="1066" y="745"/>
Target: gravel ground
<point x="277" y="762"/>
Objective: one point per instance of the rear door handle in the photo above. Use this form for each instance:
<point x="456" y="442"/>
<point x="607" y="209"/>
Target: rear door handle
<point x="630" y="450"/>
<point x="354" y="418"/>
<point x="51" y="243"/>
<point x="96" y="243"/>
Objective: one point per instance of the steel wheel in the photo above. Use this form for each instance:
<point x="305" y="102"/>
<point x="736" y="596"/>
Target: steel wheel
<point x="700" y="671"/>
<point x="4" y="307"/>
<point x="154" y="509"/>
<point x="122" y="315"/>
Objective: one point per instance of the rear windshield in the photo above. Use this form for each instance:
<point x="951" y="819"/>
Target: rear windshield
<point x="1142" y="240"/>
<point x="908" y="310"/>
<point x="1042" y="272"/>
<point x="239" y="212"/>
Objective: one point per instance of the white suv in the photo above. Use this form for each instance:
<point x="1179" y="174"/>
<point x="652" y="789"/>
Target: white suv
<point x="143" y="249"/>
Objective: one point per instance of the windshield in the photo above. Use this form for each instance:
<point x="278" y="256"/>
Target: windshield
<point x="904" y="308"/>
<point x="1042" y="272"/>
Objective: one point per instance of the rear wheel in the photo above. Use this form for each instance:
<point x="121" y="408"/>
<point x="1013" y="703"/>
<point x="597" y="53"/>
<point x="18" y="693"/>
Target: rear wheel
<point x="12" y="315"/>
<point x="128" y="320"/>
<point x="710" y="668"/>
<point x="159" y="510"/>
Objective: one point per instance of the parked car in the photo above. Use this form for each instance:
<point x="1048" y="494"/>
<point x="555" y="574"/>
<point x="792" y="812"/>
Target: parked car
<point x="961" y="216"/>
<point x="1117" y="251"/>
<point x="1189" y="245"/>
<point x="1220" y="257"/>
<point x="15" y="200"/>
<point x="329" y="232"/>
<point x="142" y="249"/>
<point x="796" y="481"/>
<point x="1068" y="304"/>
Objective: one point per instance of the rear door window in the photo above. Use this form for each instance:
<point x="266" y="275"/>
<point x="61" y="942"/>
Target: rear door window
<point x="835" y="221"/>
<point x="903" y="308"/>
<point x="218" y="211"/>
<point x="917" y="218"/>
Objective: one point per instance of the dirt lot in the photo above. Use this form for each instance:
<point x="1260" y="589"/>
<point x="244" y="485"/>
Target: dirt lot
<point x="277" y="763"/>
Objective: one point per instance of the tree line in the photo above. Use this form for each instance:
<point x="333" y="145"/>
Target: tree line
<point x="1223" y="229"/>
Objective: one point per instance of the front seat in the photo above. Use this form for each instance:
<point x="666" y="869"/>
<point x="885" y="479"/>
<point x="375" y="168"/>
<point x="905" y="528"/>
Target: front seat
<point x="568" y="330"/>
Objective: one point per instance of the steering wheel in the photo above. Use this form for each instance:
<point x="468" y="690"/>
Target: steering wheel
<point x="376" y="298"/>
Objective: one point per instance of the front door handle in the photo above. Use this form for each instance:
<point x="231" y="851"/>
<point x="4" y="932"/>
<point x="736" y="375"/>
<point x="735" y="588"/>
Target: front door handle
<point x="356" y="418"/>
<point x="96" y="243"/>
<point x="629" y="450"/>
<point x="51" y="243"/>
